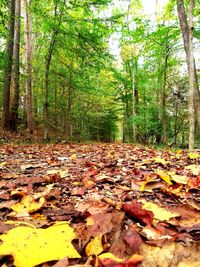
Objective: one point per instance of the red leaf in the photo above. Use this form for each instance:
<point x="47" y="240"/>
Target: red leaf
<point x="135" y="211"/>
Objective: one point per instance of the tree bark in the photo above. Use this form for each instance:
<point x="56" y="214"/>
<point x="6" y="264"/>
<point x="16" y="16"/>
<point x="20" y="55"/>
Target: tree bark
<point x="28" y="61"/>
<point x="16" y="71"/>
<point x="69" y="109"/>
<point x="47" y="71"/>
<point x="191" y="80"/>
<point x="164" y="113"/>
<point x="46" y="103"/>
<point x="185" y="33"/>
<point x="8" y="66"/>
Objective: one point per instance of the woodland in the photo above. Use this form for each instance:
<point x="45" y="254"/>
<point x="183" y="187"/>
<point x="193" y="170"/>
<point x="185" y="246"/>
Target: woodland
<point x="101" y="70"/>
<point x="99" y="133"/>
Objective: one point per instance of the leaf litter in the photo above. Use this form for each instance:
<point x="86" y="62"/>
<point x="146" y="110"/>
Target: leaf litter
<point x="99" y="205"/>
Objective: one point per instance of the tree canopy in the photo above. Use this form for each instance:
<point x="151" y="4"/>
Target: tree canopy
<point x="100" y="70"/>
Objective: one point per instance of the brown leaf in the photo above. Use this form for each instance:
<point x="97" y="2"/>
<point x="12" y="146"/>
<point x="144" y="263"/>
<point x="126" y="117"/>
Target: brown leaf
<point x="133" y="240"/>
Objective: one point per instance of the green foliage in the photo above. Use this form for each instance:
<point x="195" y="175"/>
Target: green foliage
<point x="91" y="94"/>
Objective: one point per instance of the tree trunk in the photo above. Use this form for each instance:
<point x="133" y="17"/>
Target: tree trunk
<point x="46" y="103"/>
<point x="69" y="109"/>
<point x="185" y="33"/>
<point x="191" y="80"/>
<point x="164" y="114"/>
<point x="28" y="60"/>
<point x="8" y="66"/>
<point x="16" y="74"/>
<point x="48" y="64"/>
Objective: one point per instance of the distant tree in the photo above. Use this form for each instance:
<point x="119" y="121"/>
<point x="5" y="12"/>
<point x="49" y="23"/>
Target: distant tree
<point x="8" y="66"/>
<point x="16" y="72"/>
<point x="28" y="65"/>
<point x="194" y="94"/>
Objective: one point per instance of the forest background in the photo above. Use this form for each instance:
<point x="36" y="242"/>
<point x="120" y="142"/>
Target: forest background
<point x="101" y="70"/>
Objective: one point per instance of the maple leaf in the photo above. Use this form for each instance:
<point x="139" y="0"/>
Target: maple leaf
<point x="30" y="246"/>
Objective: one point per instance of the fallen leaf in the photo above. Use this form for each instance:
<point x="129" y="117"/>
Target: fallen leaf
<point x="135" y="211"/>
<point x="132" y="239"/>
<point x="193" y="155"/>
<point x="28" y="204"/>
<point x="94" y="247"/>
<point x="195" y="169"/>
<point x="170" y="254"/>
<point x="109" y="260"/>
<point x="164" y="176"/>
<point x="159" y="213"/>
<point x="180" y="179"/>
<point x="29" y="166"/>
<point x="62" y="173"/>
<point x="31" y="247"/>
<point x="73" y="156"/>
<point x="161" y="160"/>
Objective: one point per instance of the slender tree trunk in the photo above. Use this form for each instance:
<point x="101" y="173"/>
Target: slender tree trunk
<point x="132" y="73"/>
<point x="185" y="33"/>
<point x="176" y="121"/>
<point x="28" y="60"/>
<point x="16" y="74"/>
<point x="8" y="66"/>
<point x="69" y="109"/>
<point x="191" y="80"/>
<point x="164" y="114"/>
<point x="47" y="71"/>
<point x="46" y="103"/>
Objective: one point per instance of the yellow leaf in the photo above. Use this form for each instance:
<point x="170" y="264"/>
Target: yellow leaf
<point x="73" y="156"/>
<point x="89" y="221"/>
<point x="193" y="155"/>
<point x="2" y="164"/>
<point x="180" y="179"/>
<point x="159" y="213"/>
<point x="94" y="247"/>
<point x="28" y="204"/>
<point x="142" y="188"/>
<point x="179" y="151"/>
<point x="31" y="247"/>
<point x="160" y="160"/>
<point x="164" y="176"/>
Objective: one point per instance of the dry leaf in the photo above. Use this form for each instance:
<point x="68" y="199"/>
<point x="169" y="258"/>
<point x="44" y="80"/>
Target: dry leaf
<point x="180" y="179"/>
<point x="31" y="247"/>
<point x="164" y="176"/>
<point x="159" y="213"/>
<point x="28" y="204"/>
<point x="95" y="246"/>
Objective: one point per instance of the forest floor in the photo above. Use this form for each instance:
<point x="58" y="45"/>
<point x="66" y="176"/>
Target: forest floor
<point x="99" y="205"/>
